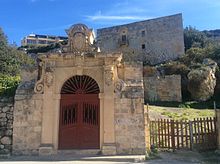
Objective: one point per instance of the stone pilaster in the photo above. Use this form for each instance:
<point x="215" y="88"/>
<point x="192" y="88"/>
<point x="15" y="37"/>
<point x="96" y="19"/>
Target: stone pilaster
<point x="108" y="147"/>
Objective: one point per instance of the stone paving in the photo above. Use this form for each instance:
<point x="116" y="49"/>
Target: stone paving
<point x="187" y="157"/>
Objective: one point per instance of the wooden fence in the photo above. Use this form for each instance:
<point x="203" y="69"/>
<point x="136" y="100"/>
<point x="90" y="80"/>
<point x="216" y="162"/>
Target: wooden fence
<point x="200" y="134"/>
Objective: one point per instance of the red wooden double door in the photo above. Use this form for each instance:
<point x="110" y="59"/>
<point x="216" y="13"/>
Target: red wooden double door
<point x="79" y="114"/>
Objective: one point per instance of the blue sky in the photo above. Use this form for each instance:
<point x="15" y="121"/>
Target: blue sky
<point x="22" y="17"/>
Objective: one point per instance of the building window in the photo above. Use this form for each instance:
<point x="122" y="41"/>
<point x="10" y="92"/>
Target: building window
<point x="42" y="42"/>
<point x="123" y="38"/>
<point x="31" y="41"/>
<point x="143" y="33"/>
<point x="143" y="46"/>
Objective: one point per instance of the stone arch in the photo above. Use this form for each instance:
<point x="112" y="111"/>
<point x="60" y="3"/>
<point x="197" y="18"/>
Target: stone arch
<point x="80" y="83"/>
<point x="63" y="80"/>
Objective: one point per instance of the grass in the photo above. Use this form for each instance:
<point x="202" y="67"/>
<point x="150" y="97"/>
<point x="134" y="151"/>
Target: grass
<point x="209" y="104"/>
<point x="181" y="112"/>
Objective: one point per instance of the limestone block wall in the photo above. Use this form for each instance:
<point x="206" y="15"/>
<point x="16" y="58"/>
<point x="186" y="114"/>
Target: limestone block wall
<point x="129" y="108"/>
<point x="159" y="88"/>
<point x="27" y="121"/>
<point x="6" y="126"/>
<point x="153" y="41"/>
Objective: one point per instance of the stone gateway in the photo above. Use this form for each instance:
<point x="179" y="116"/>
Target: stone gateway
<point x="80" y="99"/>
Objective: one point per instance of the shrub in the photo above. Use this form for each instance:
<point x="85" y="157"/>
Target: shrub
<point x="8" y="85"/>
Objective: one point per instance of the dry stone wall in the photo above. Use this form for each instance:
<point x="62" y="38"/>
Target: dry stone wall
<point x="6" y="126"/>
<point x="163" y="88"/>
<point x="129" y="108"/>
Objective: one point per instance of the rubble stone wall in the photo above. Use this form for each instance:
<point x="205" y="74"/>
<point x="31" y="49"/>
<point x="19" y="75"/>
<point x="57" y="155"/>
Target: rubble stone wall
<point x="159" y="88"/>
<point x="6" y="126"/>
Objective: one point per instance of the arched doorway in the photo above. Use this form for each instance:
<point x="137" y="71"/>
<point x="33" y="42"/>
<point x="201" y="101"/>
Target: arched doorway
<point x="79" y="114"/>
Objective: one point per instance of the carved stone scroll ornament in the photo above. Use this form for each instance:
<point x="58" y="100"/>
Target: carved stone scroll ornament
<point x="39" y="86"/>
<point x="119" y="86"/>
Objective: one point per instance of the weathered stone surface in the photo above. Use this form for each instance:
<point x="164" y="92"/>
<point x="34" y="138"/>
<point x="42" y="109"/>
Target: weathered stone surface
<point x="27" y="120"/>
<point x="129" y="116"/>
<point x="5" y="109"/>
<point x="2" y="146"/>
<point x="133" y="92"/>
<point x="9" y="132"/>
<point x="109" y="150"/>
<point x="202" y="81"/>
<point x="2" y="115"/>
<point x="158" y="88"/>
<point x="6" y="140"/>
<point x="46" y="150"/>
<point x="29" y="73"/>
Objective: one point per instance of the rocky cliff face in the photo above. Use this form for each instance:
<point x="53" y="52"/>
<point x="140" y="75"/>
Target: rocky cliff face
<point x="202" y="81"/>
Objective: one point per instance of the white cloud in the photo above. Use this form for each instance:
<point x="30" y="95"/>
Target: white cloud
<point x="122" y="11"/>
<point x="116" y="17"/>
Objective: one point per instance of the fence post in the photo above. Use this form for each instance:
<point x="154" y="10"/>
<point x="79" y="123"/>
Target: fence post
<point x="191" y="135"/>
<point x="172" y="135"/>
<point x="148" y="132"/>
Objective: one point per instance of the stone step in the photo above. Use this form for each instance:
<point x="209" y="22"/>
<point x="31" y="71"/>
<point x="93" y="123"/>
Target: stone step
<point x="4" y="156"/>
<point x="80" y="152"/>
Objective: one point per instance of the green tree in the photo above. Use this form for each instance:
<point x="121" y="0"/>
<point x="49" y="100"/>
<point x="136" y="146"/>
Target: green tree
<point x="11" y="59"/>
<point x="3" y="40"/>
<point x="194" y="38"/>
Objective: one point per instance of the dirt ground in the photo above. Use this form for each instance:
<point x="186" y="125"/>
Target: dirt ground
<point x="184" y="157"/>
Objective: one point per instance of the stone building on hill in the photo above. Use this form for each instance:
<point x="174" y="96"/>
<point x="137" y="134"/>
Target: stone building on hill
<point x="152" y="41"/>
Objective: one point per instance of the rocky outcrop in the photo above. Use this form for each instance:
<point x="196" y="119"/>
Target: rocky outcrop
<point x="6" y="122"/>
<point x="202" y="80"/>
